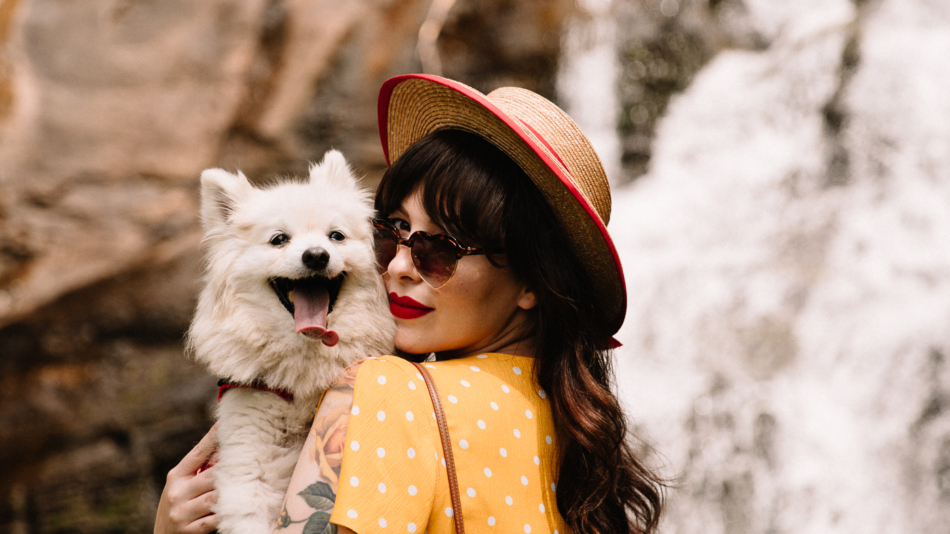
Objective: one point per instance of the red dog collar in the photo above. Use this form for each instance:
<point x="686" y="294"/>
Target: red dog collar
<point x="224" y="384"/>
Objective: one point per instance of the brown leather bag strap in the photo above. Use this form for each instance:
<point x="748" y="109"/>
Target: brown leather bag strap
<point x="446" y="447"/>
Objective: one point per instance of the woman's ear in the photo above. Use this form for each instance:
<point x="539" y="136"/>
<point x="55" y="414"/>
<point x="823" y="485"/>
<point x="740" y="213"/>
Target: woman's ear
<point x="527" y="300"/>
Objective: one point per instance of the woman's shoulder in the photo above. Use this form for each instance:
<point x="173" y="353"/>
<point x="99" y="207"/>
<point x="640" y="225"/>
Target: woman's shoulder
<point x="502" y="371"/>
<point x="493" y="360"/>
<point x="378" y="367"/>
<point x="486" y="373"/>
<point x="502" y="366"/>
<point x="389" y="377"/>
<point x="378" y="363"/>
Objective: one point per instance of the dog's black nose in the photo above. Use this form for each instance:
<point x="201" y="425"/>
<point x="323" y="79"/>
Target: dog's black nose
<point x="316" y="258"/>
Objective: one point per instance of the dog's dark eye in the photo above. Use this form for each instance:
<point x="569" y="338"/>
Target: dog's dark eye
<point x="337" y="236"/>
<point x="279" y="239"/>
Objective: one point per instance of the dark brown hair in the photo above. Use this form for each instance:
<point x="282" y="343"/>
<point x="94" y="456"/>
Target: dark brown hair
<point x="476" y="193"/>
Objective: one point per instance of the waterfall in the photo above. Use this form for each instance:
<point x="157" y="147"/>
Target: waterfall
<point x="787" y="258"/>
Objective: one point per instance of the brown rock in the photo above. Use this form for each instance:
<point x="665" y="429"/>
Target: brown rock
<point x="109" y="110"/>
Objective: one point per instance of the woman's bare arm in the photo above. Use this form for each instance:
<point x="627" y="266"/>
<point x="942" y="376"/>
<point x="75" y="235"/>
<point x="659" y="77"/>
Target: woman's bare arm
<point x="313" y="486"/>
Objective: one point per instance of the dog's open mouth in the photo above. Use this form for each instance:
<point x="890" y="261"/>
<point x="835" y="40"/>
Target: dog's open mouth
<point x="310" y="300"/>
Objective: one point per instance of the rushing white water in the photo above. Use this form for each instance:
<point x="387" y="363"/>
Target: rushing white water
<point x="787" y="341"/>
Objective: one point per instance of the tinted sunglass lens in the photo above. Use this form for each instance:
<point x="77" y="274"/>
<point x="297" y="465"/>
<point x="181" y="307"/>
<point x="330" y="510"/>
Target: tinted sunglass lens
<point x="385" y="243"/>
<point x="435" y="259"/>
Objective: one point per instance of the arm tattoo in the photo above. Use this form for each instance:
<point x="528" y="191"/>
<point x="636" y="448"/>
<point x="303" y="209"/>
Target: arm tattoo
<point x="326" y="453"/>
<point x="321" y="498"/>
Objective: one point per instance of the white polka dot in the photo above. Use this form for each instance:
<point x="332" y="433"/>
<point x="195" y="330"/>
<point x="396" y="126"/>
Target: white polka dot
<point x="409" y="416"/>
<point x="517" y="433"/>
<point x="449" y="511"/>
<point x="412" y="386"/>
<point x="509" y="500"/>
<point x="487" y="472"/>
<point x="528" y="414"/>
<point x="453" y="399"/>
<point x="420" y="376"/>
<point x="382" y="523"/>
<point x="381" y="487"/>
<point x="504" y="453"/>
<point x="381" y="380"/>
<point x="465" y="383"/>
<point x="430" y="366"/>
<point x="491" y="521"/>
<point x="411" y="452"/>
<point x="537" y="461"/>
<point x="380" y="452"/>
<point x="355" y="445"/>
<point x="542" y="394"/>
<point x="381" y="415"/>
<point x="463" y="444"/>
<point x="494" y="406"/>
<point x="517" y="370"/>
<point x="443" y="462"/>
<point x="556" y="532"/>
<point x="473" y="368"/>
<point x="527" y="528"/>
<point x="351" y="514"/>
<point x="482" y="356"/>
<point x="355" y="410"/>
<point x="541" y="508"/>
<point x="481" y="424"/>
<point x="412" y="490"/>
<point x="506" y="389"/>
<point x="524" y="480"/>
<point x="547" y="439"/>
<point x="354" y="481"/>
<point x="411" y="527"/>
<point x="471" y="492"/>
<point x="553" y="486"/>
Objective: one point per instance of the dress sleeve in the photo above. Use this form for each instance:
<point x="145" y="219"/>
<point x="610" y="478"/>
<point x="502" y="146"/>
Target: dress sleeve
<point x="390" y="459"/>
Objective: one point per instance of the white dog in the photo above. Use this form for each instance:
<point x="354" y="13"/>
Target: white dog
<point x="292" y="297"/>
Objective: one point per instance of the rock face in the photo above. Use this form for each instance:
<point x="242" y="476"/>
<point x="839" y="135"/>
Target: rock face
<point x="109" y="110"/>
<point x="788" y="261"/>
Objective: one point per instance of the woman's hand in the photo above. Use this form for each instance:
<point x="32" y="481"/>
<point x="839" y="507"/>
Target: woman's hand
<point x="185" y="506"/>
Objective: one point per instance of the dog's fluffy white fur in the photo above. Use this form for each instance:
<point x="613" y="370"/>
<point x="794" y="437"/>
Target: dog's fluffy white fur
<point x="242" y="331"/>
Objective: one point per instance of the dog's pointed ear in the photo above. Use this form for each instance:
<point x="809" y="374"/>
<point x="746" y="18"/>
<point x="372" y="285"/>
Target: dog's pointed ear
<point x="221" y="191"/>
<point x="333" y="169"/>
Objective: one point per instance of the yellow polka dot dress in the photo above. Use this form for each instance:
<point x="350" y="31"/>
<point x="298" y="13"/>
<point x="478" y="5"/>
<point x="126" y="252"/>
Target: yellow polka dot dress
<point x="393" y="477"/>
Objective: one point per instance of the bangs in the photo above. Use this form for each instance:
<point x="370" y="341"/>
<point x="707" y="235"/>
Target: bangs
<point x="464" y="181"/>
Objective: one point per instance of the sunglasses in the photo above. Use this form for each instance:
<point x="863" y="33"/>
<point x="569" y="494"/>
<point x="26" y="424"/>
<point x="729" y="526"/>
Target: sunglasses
<point x="435" y="257"/>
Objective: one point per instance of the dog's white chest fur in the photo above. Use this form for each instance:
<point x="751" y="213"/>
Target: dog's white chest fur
<point x="291" y="298"/>
<point x="260" y="436"/>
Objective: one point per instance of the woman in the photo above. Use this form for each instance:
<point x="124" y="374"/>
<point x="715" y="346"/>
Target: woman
<point x="518" y="295"/>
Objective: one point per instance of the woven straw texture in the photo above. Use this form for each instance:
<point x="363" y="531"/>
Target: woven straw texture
<point x="418" y="107"/>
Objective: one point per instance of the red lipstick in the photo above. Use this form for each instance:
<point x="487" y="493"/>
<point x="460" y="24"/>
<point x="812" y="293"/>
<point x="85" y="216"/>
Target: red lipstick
<point x="406" y="308"/>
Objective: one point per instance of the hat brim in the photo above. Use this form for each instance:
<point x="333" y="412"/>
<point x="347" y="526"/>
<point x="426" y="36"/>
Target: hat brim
<point x="415" y="105"/>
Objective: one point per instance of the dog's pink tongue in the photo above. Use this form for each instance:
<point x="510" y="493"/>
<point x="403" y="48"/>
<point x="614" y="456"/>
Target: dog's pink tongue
<point x="311" y="303"/>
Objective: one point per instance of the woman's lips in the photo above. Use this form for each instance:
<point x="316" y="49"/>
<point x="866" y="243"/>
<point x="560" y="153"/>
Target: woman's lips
<point x="406" y="308"/>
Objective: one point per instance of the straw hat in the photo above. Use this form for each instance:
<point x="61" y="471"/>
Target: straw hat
<point x="540" y="138"/>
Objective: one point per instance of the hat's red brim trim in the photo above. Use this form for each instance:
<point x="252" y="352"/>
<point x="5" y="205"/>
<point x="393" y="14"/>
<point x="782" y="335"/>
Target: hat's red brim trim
<point x="385" y="94"/>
